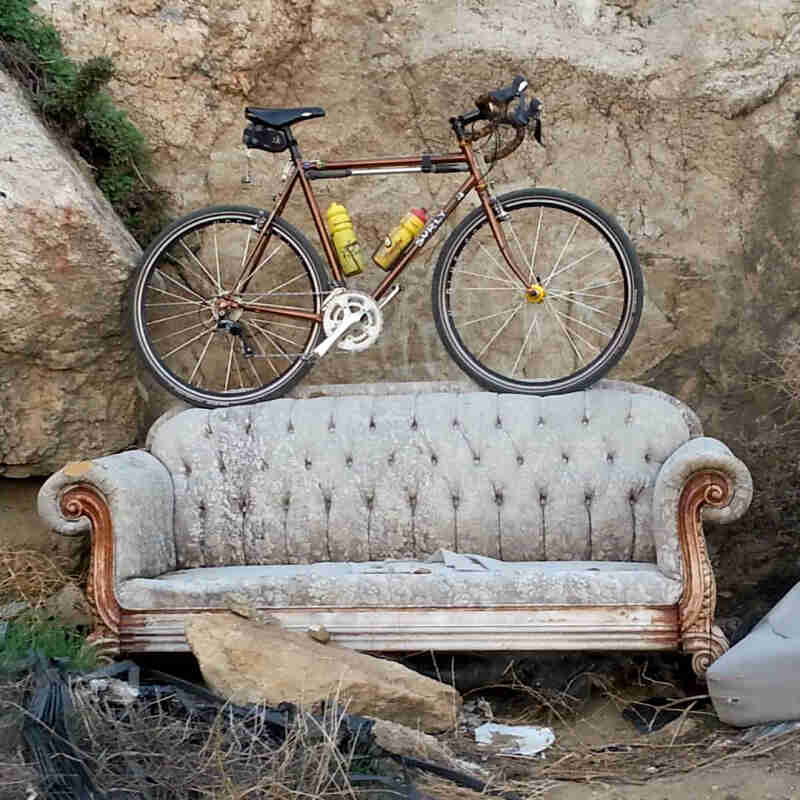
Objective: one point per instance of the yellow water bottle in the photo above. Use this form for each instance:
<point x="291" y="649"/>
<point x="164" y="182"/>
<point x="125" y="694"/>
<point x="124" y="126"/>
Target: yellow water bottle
<point x="400" y="237"/>
<point x="344" y="240"/>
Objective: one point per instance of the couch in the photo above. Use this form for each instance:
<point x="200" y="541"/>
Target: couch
<point x="406" y="518"/>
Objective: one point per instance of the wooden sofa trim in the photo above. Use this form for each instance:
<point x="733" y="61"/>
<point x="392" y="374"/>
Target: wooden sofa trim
<point x="689" y="627"/>
<point x="699" y="636"/>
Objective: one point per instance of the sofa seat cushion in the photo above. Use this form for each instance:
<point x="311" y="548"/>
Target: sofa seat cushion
<point x="456" y="581"/>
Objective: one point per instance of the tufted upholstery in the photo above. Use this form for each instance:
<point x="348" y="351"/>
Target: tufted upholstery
<point x="365" y="478"/>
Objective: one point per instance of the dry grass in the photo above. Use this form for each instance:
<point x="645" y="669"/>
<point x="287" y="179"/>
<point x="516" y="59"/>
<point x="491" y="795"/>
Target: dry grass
<point x="150" y="750"/>
<point x="31" y="576"/>
<point x="160" y="751"/>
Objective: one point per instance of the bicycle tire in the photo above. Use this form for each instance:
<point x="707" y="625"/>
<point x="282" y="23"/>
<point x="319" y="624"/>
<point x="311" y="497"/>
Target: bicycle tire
<point x="508" y="342"/>
<point x="177" y="326"/>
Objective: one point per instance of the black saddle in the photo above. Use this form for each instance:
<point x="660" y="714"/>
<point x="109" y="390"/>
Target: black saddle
<point x="282" y="117"/>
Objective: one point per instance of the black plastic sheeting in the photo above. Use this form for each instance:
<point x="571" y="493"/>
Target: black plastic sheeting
<point x="64" y="774"/>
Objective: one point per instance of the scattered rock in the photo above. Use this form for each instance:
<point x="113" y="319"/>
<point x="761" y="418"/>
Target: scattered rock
<point x="319" y="633"/>
<point x="406" y="741"/>
<point x="252" y="663"/>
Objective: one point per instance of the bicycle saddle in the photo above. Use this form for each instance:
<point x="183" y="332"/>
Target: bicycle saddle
<point x="282" y="117"/>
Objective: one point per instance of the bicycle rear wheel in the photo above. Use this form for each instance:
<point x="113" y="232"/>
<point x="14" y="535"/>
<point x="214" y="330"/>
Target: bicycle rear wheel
<point x="186" y="323"/>
<point x="512" y="340"/>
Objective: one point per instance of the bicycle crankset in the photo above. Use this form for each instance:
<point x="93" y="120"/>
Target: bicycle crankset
<point x="355" y="316"/>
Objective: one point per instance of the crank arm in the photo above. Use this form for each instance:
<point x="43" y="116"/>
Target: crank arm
<point x="390" y="296"/>
<point x="353" y="318"/>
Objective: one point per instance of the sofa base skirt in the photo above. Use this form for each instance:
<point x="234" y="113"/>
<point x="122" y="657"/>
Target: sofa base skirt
<point x="453" y="629"/>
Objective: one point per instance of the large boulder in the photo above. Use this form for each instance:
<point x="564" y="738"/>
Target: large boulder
<point x="252" y="662"/>
<point x="67" y="370"/>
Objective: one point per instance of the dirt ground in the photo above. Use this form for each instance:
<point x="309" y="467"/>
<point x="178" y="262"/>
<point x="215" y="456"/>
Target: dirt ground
<point x="599" y="755"/>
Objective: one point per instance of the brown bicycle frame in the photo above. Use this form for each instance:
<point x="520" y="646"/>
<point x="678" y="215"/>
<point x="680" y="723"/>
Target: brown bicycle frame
<point x="306" y="172"/>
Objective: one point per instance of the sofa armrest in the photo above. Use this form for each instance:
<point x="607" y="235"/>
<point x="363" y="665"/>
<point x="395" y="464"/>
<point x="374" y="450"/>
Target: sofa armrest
<point x="695" y="458"/>
<point x="131" y="495"/>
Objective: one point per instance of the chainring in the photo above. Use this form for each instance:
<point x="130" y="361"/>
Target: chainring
<point x="365" y="332"/>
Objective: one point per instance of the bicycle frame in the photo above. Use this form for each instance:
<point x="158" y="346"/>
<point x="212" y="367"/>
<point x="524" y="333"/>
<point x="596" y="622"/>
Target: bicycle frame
<point x="305" y="172"/>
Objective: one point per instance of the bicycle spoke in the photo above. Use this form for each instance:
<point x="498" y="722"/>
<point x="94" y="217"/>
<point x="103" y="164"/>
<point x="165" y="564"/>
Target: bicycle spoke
<point x="573" y="264"/>
<point x="186" y="344"/>
<point x="502" y="267"/>
<point x="183" y="300"/>
<point x="275" y="290"/>
<point x="499" y="331"/>
<point x="170" y="318"/>
<point x="561" y="254"/>
<point x="267" y="356"/>
<point x="566" y="333"/>
<point x="534" y="324"/>
<point x="228" y="370"/>
<point x="532" y="273"/>
<point x="575" y="302"/>
<point x="577" y="321"/>
<point x="247" y="278"/>
<point x="199" y="264"/>
<point x="515" y="284"/>
<point x="179" y="303"/>
<point x="519" y="243"/>
<point x="202" y="356"/>
<point x="216" y="259"/>
<point x="178" y="333"/>
<point x="483" y="289"/>
<point x="272" y="333"/>
<point x="178" y="284"/>
<point x="490" y="316"/>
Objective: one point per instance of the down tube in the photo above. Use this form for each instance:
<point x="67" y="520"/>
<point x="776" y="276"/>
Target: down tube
<point x="427" y="232"/>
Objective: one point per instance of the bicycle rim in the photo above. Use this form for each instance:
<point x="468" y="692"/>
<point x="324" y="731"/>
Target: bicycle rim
<point x="512" y="341"/>
<point x="216" y="359"/>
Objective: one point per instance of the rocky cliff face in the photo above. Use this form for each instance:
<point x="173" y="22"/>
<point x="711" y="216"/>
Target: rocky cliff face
<point x="67" y="373"/>
<point x="678" y="116"/>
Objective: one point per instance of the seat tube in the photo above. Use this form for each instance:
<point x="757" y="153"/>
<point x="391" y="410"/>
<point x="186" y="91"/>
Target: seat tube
<point x="316" y="215"/>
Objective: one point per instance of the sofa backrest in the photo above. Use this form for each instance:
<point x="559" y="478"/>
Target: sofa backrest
<point x="361" y="478"/>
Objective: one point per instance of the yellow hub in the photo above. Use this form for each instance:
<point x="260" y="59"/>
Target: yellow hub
<point x="535" y="293"/>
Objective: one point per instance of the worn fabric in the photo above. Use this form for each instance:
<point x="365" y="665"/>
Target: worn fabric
<point x="471" y="583"/>
<point x="138" y="490"/>
<point x="365" y="478"/>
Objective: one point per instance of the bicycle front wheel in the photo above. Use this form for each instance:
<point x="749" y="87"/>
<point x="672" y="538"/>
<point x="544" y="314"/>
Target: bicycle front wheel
<point x="561" y="336"/>
<point x="187" y="320"/>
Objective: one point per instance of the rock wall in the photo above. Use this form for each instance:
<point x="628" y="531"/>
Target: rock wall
<point x="678" y="116"/>
<point x="67" y="372"/>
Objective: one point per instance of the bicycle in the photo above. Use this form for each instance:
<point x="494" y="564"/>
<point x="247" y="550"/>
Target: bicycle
<point x="536" y="291"/>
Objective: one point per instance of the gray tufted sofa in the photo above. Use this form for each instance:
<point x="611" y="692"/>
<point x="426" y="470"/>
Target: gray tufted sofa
<point x="414" y="520"/>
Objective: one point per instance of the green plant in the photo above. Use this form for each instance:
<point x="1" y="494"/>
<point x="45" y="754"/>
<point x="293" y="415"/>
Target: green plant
<point x="71" y="99"/>
<point x="36" y="633"/>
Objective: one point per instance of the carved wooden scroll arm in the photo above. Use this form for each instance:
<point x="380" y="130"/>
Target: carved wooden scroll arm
<point x="699" y="636"/>
<point x="86" y="501"/>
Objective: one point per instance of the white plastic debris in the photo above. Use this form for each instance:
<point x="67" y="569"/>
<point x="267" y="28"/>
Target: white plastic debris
<point x="515" y="740"/>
